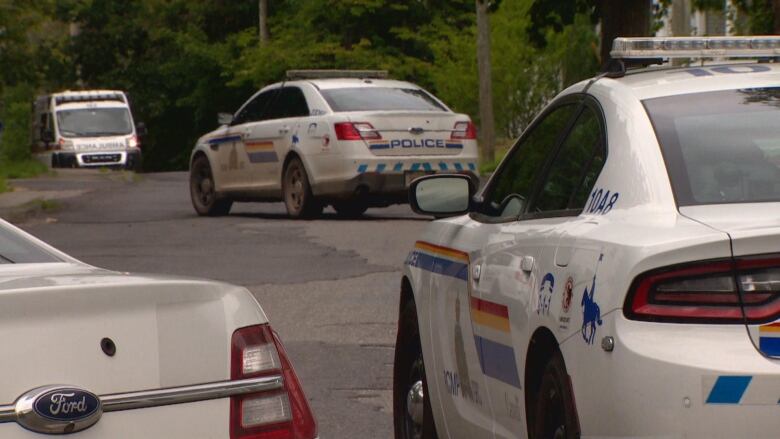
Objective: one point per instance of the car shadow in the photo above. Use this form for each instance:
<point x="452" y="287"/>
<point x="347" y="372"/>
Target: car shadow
<point x="331" y="217"/>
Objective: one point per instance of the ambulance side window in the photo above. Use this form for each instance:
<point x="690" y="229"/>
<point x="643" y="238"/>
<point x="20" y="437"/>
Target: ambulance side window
<point x="509" y="192"/>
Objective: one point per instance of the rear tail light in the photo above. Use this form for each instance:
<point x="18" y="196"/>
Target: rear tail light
<point x="725" y="291"/>
<point x="464" y="130"/>
<point x="278" y="414"/>
<point x="356" y="131"/>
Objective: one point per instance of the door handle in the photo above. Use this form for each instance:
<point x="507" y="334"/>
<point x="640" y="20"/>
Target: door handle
<point x="527" y="264"/>
<point x="284" y="130"/>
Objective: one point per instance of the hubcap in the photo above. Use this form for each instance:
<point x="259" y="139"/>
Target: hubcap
<point x="414" y="404"/>
<point x="204" y="186"/>
<point x="295" y="191"/>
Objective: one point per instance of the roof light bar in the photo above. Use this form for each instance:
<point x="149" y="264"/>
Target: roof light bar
<point x="696" y="47"/>
<point x="325" y="74"/>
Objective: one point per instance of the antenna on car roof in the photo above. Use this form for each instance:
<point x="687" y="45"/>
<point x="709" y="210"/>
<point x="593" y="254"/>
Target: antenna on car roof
<point x="325" y="74"/>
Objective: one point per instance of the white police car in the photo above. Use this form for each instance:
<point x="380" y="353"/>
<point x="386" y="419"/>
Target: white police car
<point x="619" y="275"/>
<point x="343" y="138"/>
<point x="102" y="354"/>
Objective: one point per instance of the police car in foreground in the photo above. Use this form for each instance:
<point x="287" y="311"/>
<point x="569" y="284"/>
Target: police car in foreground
<point x="102" y="354"/>
<point x="345" y="138"/>
<point x="619" y="275"/>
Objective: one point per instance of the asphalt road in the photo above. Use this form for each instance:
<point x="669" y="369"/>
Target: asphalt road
<point x="330" y="286"/>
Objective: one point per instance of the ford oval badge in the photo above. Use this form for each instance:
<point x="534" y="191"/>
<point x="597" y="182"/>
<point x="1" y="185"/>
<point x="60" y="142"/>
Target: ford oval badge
<point x="58" y="409"/>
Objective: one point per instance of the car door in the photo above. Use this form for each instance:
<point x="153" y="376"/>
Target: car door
<point x="268" y="140"/>
<point x="519" y="268"/>
<point x="475" y="312"/>
<point x="230" y="148"/>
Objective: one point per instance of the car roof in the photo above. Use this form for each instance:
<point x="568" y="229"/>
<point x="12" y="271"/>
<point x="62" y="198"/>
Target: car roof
<point x="667" y="81"/>
<point x="331" y="83"/>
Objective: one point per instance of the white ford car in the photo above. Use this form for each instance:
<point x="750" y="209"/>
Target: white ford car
<point x="327" y="138"/>
<point x="619" y="275"/>
<point x="100" y="354"/>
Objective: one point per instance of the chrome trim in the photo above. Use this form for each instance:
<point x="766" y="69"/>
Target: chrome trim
<point x="180" y="395"/>
<point x="172" y="395"/>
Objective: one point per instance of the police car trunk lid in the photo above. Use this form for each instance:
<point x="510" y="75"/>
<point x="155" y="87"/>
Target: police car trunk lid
<point x="425" y="133"/>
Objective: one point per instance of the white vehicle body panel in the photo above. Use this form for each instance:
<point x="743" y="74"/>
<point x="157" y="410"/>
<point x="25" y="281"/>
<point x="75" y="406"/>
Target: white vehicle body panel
<point x="247" y="159"/>
<point x="661" y="379"/>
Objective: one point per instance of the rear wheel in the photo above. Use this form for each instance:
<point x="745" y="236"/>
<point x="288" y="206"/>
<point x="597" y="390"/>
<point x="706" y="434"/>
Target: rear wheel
<point x="350" y="209"/>
<point x="412" y="414"/>
<point x="298" y="198"/>
<point x="555" y="416"/>
<point x="205" y="199"/>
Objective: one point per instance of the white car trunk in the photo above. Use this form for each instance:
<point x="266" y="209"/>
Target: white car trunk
<point x="412" y="133"/>
<point x="167" y="331"/>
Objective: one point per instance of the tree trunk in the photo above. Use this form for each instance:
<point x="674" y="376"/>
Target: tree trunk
<point x="623" y="18"/>
<point x="487" y="131"/>
<point x="776" y="13"/>
<point x="265" y="37"/>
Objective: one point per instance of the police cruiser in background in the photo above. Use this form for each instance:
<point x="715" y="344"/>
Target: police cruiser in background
<point x="619" y="275"/>
<point x="88" y="128"/>
<point x="100" y="354"/>
<point x="346" y="138"/>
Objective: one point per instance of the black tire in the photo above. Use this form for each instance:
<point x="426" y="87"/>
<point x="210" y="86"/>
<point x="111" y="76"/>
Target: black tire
<point x="350" y="209"/>
<point x="298" y="198"/>
<point x="409" y="369"/>
<point x="554" y="413"/>
<point x="205" y="199"/>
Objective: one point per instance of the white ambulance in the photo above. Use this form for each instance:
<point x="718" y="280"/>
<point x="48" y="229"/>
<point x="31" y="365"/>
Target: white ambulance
<point x="90" y="128"/>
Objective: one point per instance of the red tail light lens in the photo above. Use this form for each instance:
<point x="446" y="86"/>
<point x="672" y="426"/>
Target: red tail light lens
<point x="356" y="131"/>
<point x="464" y="131"/>
<point x="725" y="291"/>
<point x="279" y="414"/>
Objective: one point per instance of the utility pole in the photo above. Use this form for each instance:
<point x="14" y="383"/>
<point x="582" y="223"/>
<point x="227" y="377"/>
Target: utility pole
<point x="265" y="37"/>
<point x="487" y="131"/>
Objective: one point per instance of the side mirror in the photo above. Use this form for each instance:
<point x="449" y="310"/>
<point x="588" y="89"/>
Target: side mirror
<point x="140" y="129"/>
<point x="224" y="118"/>
<point x="47" y="136"/>
<point x="441" y="195"/>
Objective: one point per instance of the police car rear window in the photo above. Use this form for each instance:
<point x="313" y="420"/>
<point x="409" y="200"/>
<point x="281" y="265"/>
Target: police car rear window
<point x="380" y="98"/>
<point x="721" y="146"/>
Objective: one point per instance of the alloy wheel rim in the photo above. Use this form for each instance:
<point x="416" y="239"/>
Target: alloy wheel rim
<point x="204" y="186"/>
<point x="413" y="418"/>
<point x="295" y="192"/>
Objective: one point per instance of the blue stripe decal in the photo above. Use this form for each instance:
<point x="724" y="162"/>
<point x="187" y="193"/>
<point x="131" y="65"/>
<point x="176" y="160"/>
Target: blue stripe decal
<point x="379" y="146"/>
<point x="415" y="166"/>
<point x="438" y="265"/>
<point x="458" y="167"/>
<point x="380" y="167"/>
<point x="362" y="168"/>
<point x="728" y="389"/>
<point x="224" y="139"/>
<point x="263" y="157"/>
<point x="427" y="166"/>
<point x="497" y="361"/>
<point x="472" y="166"/>
<point x="769" y="345"/>
<point x="454" y="146"/>
<point x="398" y="167"/>
<point x="443" y="166"/>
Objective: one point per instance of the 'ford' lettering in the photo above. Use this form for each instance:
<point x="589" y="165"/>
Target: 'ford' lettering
<point x="58" y="409"/>
<point x="66" y="404"/>
<point x="417" y="143"/>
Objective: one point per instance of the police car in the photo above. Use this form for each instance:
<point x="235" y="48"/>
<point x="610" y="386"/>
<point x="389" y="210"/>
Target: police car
<point x="346" y="138"/>
<point x="619" y="274"/>
<point x="101" y="354"/>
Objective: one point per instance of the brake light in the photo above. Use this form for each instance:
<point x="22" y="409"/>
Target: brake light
<point x="278" y="414"/>
<point x="356" y="131"/>
<point x="723" y="291"/>
<point x="464" y="130"/>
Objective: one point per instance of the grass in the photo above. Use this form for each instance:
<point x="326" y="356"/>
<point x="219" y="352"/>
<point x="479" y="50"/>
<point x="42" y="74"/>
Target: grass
<point x="24" y="169"/>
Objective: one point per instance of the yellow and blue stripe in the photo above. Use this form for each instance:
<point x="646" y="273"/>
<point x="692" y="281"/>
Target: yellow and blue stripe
<point x="441" y="260"/>
<point x="260" y="151"/>
<point x="769" y="339"/>
<point x="496" y="359"/>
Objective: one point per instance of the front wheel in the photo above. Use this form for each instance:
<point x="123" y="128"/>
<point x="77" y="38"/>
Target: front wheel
<point x="412" y="414"/>
<point x="555" y="416"/>
<point x="205" y="199"/>
<point x="298" y="198"/>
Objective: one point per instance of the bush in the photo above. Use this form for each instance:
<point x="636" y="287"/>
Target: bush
<point x="15" y="112"/>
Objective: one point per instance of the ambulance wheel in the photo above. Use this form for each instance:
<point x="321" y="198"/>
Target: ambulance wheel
<point x="298" y="198"/>
<point x="350" y="209"/>
<point x="205" y="199"/>
<point x="555" y="416"/>
<point x="412" y="414"/>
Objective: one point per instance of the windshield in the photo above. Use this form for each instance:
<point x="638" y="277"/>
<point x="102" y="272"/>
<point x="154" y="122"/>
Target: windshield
<point x="720" y="147"/>
<point x="93" y="122"/>
<point x="16" y="249"/>
<point x="380" y="98"/>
